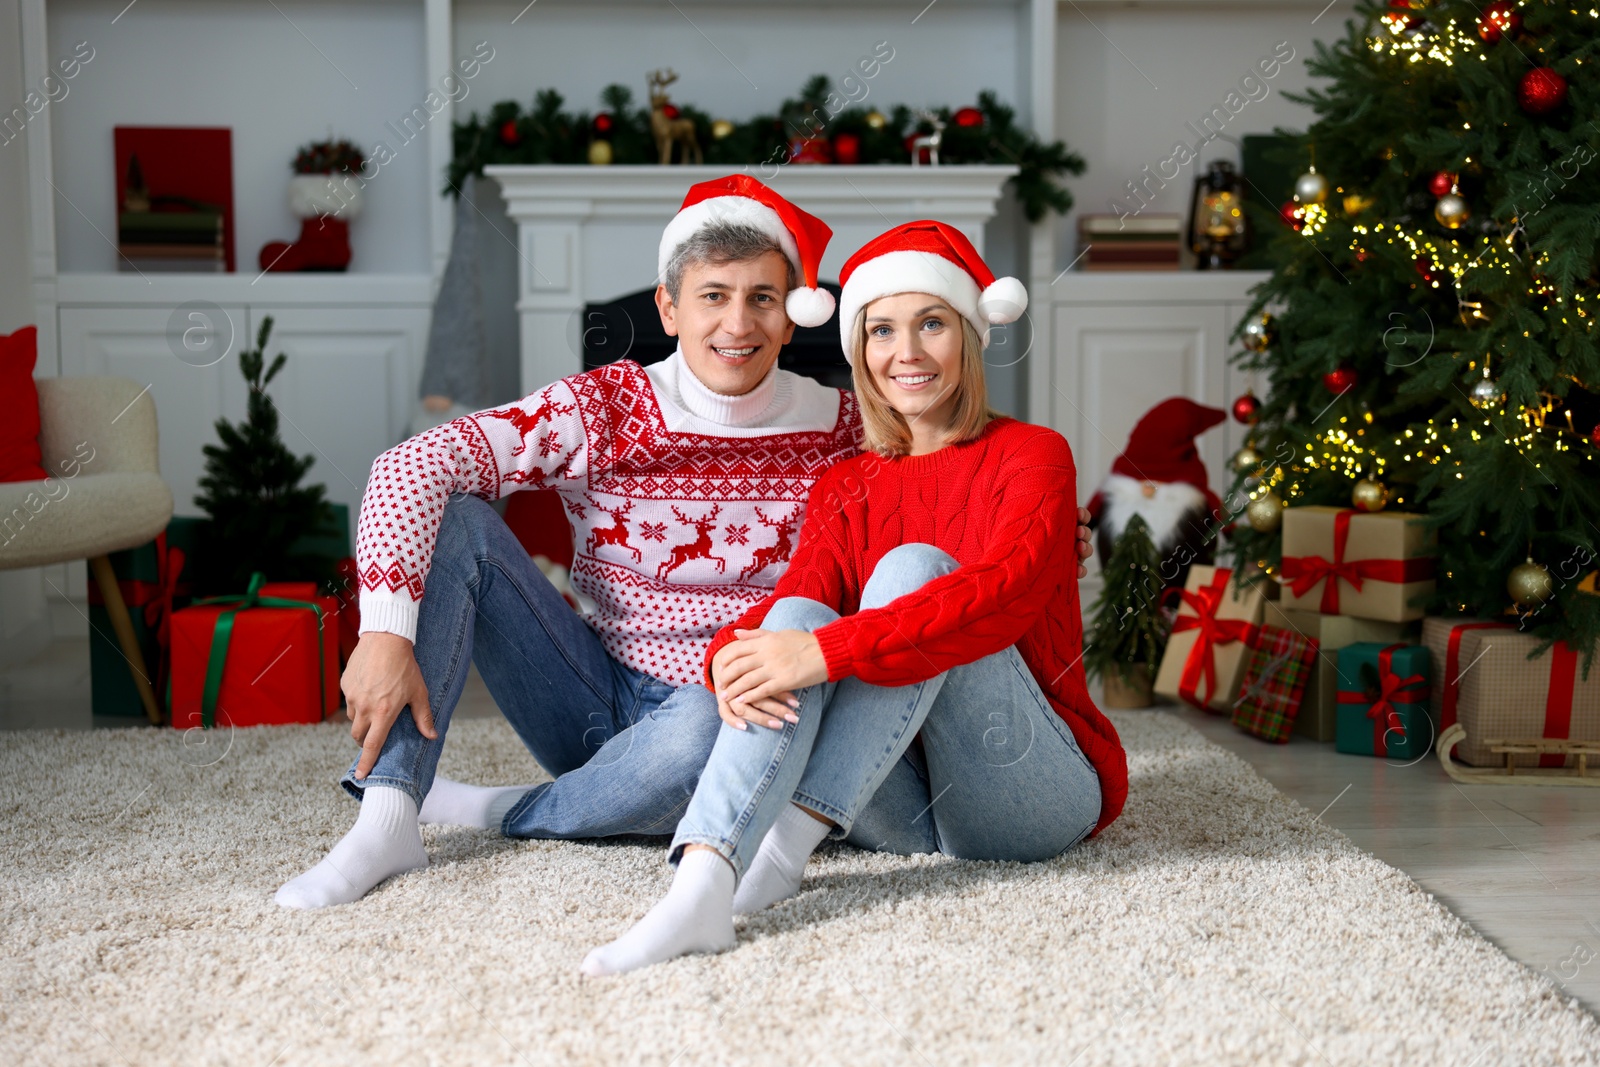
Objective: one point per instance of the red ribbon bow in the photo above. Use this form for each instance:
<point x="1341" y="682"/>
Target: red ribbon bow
<point x="1392" y="690"/>
<point x="1302" y="573"/>
<point x="1201" y="663"/>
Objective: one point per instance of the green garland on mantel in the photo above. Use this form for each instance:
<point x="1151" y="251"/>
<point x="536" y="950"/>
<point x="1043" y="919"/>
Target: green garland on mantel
<point x="547" y="134"/>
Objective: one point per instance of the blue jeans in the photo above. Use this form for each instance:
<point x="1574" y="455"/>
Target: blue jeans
<point x="1000" y="776"/>
<point x="626" y="748"/>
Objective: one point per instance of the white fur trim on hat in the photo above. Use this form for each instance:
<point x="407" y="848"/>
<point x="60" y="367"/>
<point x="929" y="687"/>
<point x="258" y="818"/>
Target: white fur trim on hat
<point x="909" y="272"/>
<point x="809" y="307"/>
<point x="1003" y="301"/>
<point x="737" y="209"/>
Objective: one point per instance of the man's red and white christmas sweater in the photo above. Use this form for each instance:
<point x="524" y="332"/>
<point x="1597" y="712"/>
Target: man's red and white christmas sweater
<point x="685" y="504"/>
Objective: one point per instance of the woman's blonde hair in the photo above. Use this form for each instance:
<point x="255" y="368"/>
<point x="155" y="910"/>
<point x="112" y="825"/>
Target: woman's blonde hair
<point x="885" y="430"/>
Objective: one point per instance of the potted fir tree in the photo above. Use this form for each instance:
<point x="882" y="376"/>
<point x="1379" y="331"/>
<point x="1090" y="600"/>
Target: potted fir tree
<point x="1128" y="632"/>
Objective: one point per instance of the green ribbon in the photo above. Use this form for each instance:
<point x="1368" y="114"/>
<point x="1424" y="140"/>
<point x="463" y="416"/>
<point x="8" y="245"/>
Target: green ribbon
<point x="222" y="634"/>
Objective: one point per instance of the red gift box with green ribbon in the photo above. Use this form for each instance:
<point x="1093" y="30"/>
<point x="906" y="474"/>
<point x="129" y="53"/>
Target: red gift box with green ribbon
<point x="1337" y="561"/>
<point x="1383" y="701"/>
<point x="268" y="657"/>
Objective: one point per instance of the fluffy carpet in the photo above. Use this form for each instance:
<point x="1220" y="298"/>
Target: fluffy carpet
<point x="1216" y="922"/>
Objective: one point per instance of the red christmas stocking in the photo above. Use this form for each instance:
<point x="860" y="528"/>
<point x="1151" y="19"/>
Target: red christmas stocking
<point x="324" y="244"/>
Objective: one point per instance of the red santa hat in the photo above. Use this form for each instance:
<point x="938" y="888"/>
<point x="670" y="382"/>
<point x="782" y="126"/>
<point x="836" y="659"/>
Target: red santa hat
<point x="1161" y="448"/>
<point x="928" y="257"/>
<point x="739" y="198"/>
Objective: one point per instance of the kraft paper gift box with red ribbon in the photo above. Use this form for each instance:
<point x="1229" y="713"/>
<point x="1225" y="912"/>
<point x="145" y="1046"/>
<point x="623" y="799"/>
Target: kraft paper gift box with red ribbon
<point x="1443" y="637"/>
<point x="1383" y="701"/>
<point x="154" y="580"/>
<point x="1210" y="638"/>
<point x="1275" y="676"/>
<point x="256" y="659"/>
<point x="1338" y="561"/>
<point x="1318" y="716"/>
<point x="1505" y="696"/>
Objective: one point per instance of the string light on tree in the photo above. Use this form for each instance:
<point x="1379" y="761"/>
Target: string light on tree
<point x="1499" y="19"/>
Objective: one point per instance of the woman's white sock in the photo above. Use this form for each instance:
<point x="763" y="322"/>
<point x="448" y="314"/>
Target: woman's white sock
<point x="384" y="842"/>
<point x="696" y="915"/>
<point x="780" y="862"/>
<point x="459" y="804"/>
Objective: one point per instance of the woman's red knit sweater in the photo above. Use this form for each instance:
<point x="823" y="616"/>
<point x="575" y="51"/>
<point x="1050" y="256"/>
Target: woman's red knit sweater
<point x="1004" y="505"/>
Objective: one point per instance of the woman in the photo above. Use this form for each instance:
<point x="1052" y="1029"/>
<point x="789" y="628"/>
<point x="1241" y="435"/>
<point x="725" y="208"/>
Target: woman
<point x="932" y="599"/>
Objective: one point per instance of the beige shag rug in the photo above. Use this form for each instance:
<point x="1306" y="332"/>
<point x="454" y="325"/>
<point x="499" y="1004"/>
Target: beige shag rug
<point x="1216" y="922"/>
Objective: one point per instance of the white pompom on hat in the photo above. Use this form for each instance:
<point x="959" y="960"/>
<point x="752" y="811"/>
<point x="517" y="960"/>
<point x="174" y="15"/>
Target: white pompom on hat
<point x="739" y="198"/>
<point x="928" y="257"/>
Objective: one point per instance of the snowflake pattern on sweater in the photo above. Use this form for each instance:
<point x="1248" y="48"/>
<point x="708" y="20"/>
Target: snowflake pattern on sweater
<point x="679" y="525"/>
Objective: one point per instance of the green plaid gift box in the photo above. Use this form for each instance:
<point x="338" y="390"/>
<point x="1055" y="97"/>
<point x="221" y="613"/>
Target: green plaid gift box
<point x="1275" y="677"/>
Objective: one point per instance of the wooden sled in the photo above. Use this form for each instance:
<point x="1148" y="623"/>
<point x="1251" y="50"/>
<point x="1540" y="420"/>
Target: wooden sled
<point x="1512" y="775"/>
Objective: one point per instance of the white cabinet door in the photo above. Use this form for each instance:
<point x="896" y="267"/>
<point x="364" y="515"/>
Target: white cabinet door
<point x="1110" y="364"/>
<point x="348" y="389"/>
<point x="184" y="357"/>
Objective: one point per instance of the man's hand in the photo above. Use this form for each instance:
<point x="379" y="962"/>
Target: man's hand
<point x="763" y="668"/>
<point x="380" y="680"/>
<point x="1085" y="542"/>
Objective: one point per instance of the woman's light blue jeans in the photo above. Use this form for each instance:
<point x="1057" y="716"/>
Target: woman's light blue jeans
<point x="999" y="776"/>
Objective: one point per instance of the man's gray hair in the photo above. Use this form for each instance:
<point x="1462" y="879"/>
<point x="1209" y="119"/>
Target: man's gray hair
<point x="722" y="242"/>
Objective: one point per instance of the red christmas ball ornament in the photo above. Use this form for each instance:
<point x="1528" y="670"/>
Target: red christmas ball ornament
<point x="1424" y="267"/>
<point x="509" y="135"/>
<point x="968" y="116"/>
<point x="1247" y="409"/>
<point x="1400" y="16"/>
<point x="847" y="148"/>
<point x="1499" y="19"/>
<point x="1441" y="183"/>
<point x="1341" y="379"/>
<point x="603" y="123"/>
<point x="1293" y="214"/>
<point x="1594" y="436"/>
<point x="1541" y="91"/>
<point x="670" y="110"/>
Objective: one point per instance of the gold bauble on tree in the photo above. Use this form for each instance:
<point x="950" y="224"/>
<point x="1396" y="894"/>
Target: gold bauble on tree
<point x="1264" y="513"/>
<point x="600" y="154"/>
<point x="1258" y="334"/>
<point x="1452" y="211"/>
<point x="876" y="120"/>
<point x="1246" y="459"/>
<point x="1529" y="584"/>
<point x="721" y="128"/>
<point x="1369" y="495"/>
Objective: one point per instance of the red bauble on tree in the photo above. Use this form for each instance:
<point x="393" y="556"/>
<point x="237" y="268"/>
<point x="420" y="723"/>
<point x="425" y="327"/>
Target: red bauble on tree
<point x="509" y="135"/>
<point x="1424" y="267"/>
<point x="603" y="123"/>
<point x="1293" y="214"/>
<point x="1594" y="436"/>
<point x="1247" y="409"/>
<point x="1441" y="183"/>
<point x="847" y="148"/>
<point x="968" y="116"/>
<point x="1541" y="91"/>
<point x="1400" y="16"/>
<point x="1499" y="19"/>
<point x="1341" y="379"/>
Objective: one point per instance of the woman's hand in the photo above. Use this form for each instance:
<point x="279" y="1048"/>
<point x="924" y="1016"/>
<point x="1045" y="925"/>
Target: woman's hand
<point x="757" y="674"/>
<point x="1085" y="542"/>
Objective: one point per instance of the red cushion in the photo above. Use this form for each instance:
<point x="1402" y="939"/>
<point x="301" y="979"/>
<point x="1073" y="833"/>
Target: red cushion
<point x="19" y="408"/>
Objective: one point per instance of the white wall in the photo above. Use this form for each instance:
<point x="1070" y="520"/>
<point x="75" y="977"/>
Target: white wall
<point x="16" y="288"/>
<point x="279" y="74"/>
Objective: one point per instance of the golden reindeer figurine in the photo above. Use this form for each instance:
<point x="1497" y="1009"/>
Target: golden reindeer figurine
<point x="667" y="130"/>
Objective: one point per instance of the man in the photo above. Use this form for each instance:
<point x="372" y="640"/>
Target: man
<point x="685" y="483"/>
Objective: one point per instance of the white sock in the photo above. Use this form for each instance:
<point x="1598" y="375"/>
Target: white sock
<point x="459" y="804"/>
<point x="696" y="915"/>
<point x="780" y="862"/>
<point x="384" y="842"/>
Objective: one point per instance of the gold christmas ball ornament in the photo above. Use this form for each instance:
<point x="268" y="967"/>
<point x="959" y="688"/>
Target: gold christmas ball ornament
<point x="600" y="154"/>
<point x="1530" y="584"/>
<point x="1369" y="495"/>
<point x="876" y="120"/>
<point x="1264" y="513"/>
<point x="1452" y="211"/>
<point x="1486" y="392"/>
<point x="721" y="128"/>
<point x="1246" y="459"/>
<point x="1258" y="334"/>
<point x="1311" y="187"/>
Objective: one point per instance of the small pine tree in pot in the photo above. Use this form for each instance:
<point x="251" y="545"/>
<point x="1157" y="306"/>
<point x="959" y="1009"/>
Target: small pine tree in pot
<point x="1128" y="632"/>
<point x="252" y="493"/>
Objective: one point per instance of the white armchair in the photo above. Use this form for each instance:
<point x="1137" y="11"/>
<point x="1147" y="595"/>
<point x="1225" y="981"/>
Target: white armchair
<point x="98" y="440"/>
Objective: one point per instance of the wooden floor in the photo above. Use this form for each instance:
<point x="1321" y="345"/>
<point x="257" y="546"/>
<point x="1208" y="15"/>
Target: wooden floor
<point x="1521" y="864"/>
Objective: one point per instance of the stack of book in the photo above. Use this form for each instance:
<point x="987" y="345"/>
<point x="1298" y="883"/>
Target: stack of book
<point x="1135" y="242"/>
<point x="171" y="237"/>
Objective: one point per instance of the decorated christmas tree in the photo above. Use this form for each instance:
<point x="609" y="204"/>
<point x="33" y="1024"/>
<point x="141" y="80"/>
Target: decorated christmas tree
<point x="1427" y="337"/>
<point x="1128" y="633"/>
<point x="251" y="490"/>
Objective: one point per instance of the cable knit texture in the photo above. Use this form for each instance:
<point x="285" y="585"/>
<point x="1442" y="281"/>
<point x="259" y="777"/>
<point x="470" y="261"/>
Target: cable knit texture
<point x="1004" y="506"/>
<point x="684" y="504"/>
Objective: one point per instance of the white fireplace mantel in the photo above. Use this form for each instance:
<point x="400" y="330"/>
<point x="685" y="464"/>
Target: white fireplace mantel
<point x="590" y="234"/>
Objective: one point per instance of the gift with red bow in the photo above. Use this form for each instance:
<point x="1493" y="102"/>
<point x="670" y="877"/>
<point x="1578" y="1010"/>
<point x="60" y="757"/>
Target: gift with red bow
<point x="1373" y="565"/>
<point x="1215" y="629"/>
<point x="1383" y="700"/>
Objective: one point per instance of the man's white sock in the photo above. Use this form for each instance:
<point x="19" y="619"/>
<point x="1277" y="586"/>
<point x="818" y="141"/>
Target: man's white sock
<point x="780" y="862"/>
<point x="459" y="804"/>
<point x="696" y="915"/>
<point x="384" y="842"/>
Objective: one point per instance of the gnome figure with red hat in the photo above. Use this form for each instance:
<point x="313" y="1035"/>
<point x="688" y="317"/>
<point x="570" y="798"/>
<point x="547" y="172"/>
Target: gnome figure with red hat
<point x="1160" y="477"/>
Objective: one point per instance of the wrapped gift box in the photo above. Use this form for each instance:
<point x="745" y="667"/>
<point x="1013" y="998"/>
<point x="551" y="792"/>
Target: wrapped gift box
<point x="1318" y="710"/>
<point x="1383" y="701"/>
<point x="154" y="580"/>
<point x="1505" y="696"/>
<point x="1443" y="637"/>
<point x="1375" y="565"/>
<point x="1206" y="652"/>
<point x="347" y="591"/>
<point x="1275" y="676"/>
<point x="274" y="660"/>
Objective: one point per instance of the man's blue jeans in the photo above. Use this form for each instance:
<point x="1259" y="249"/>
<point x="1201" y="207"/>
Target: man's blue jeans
<point x="626" y="748"/>
<point x="999" y="776"/>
